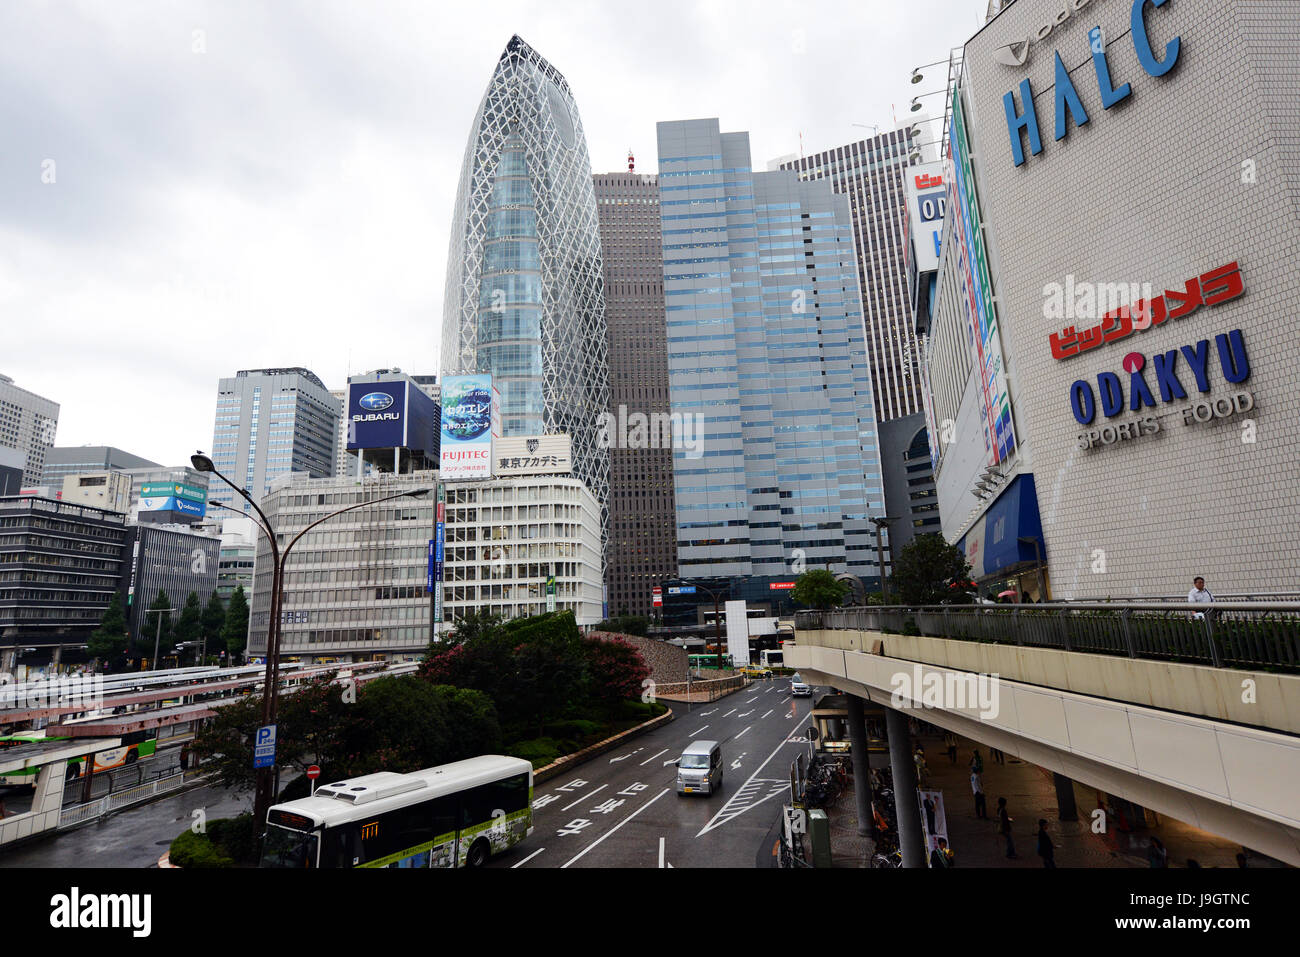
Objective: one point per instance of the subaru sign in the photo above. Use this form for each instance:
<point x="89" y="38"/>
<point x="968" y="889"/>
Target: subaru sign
<point x="376" y="415"/>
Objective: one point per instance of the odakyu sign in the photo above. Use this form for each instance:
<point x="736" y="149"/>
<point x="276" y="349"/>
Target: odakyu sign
<point x="1022" y="120"/>
<point x="1172" y="371"/>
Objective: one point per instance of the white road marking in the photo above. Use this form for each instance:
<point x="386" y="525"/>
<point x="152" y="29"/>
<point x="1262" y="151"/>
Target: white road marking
<point x="769" y="711"/>
<point x="732" y="809"/>
<point x="528" y="858"/>
<point x="584" y="797"/>
<point x="652" y="757"/>
<point x="662" y="863"/>
<point x="752" y="700"/>
<point x="705" y="714"/>
<point x="785" y="699"/>
<point x="697" y="731"/>
<point x="617" y="826"/>
<point x="745" y="714"/>
<point x="625" y="756"/>
<point x="730" y="713"/>
<point x="747" y="727"/>
<point x="736" y="763"/>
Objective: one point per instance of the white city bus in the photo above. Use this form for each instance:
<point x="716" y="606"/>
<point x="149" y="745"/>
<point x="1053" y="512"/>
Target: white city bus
<point x="454" y="815"/>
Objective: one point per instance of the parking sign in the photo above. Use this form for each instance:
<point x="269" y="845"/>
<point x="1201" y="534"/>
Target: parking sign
<point x="264" y="747"/>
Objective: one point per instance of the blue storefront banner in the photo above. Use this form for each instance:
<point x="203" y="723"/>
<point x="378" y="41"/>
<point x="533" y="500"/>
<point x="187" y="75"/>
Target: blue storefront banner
<point x="993" y="545"/>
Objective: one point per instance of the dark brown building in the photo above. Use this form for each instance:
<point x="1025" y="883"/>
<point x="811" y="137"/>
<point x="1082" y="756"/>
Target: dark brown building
<point x="642" y="537"/>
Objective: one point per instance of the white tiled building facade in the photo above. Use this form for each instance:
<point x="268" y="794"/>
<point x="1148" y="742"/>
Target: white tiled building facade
<point x="1197" y="166"/>
<point x="356" y="587"/>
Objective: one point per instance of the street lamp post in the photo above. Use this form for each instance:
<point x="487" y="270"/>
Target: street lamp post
<point x="158" y="632"/>
<point x="271" y="681"/>
<point x="882" y="522"/>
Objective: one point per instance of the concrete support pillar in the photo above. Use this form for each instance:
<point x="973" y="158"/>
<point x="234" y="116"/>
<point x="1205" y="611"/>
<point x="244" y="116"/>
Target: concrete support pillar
<point x="8" y="660"/>
<point x="1068" y="810"/>
<point x="907" y="805"/>
<point x="56" y="658"/>
<point x="861" y="763"/>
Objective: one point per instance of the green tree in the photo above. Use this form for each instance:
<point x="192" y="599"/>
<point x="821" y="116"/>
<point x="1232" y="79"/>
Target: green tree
<point x="616" y="670"/>
<point x="549" y="677"/>
<point x="626" y="625"/>
<point x="226" y="741"/>
<point x="929" y="571"/>
<point x="234" y="632"/>
<point x="109" y="640"/>
<point x="151" y="631"/>
<point x="214" y="619"/>
<point x="189" y="626"/>
<point x="820" y="589"/>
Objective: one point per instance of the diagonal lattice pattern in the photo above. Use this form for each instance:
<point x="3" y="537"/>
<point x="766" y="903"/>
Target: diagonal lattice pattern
<point x="525" y="183"/>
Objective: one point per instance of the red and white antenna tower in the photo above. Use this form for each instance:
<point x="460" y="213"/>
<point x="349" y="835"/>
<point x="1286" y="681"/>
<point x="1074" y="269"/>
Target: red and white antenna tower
<point x="631" y="161"/>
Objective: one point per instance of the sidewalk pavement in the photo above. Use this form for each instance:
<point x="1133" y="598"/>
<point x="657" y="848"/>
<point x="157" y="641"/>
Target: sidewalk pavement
<point x="1030" y="795"/>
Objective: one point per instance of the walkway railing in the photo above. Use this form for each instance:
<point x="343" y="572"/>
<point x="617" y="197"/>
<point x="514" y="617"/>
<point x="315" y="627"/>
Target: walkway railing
<point x="83" y="813"/>
<point x="1225" y="634"/>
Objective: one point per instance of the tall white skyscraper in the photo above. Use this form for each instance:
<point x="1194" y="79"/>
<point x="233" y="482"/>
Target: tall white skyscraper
<point x="766" y="353"/>
<point x="870" y="173"/>
<point x="525" y="299"/>
<point x="269" y="422"/>
<point x="27" y="424"/>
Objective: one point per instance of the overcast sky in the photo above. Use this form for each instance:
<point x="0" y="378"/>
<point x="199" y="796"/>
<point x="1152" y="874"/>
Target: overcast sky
<point x="249" y="184"/>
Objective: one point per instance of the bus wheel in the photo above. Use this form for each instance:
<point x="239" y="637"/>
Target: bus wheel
<point x="478" y="853"/>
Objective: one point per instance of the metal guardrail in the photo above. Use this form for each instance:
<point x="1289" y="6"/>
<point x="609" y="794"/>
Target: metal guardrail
<point x="83" y="813"/>
<point x="1228" y="634"/>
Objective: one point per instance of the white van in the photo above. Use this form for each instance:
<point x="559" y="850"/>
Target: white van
<point x="699" y="769"/>
<point x="798" y="687"/>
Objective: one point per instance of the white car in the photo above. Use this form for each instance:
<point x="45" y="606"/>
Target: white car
<point x="798" y="688"/>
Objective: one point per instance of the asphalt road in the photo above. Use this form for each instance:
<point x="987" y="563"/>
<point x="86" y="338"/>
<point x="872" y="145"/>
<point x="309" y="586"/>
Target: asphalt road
<point x="621" y="809"/>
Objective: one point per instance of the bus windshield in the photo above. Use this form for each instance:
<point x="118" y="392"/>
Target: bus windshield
<point x="286" y="848"/>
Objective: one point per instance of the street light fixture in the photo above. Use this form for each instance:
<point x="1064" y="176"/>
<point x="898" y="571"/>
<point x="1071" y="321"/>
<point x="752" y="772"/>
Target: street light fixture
<point x="271" y="682"/>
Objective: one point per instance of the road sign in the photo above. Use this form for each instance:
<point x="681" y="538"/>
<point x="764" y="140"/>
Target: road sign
<point x="264" y="747"/>
<point x="313" y="772"/>
<point x="658" y="597"/>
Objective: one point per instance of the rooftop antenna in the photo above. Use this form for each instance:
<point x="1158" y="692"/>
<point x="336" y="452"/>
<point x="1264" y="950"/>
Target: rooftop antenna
<point x="631" y="161"/>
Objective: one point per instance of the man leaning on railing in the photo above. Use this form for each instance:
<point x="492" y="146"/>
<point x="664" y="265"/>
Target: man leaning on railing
<point x="1200" y="595"/>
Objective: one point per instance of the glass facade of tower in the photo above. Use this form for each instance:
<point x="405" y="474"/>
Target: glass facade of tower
<point x="766" y="353"/>
<point x="510" y="296"/>
<point x="525" y="296"/>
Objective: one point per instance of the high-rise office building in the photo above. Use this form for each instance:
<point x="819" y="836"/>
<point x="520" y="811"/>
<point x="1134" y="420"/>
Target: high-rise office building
<point x="61" y="567"/>
<point x="766" y="365"/>
<point x="28" y="423"/>
<point x="168" y="559"/>
<point x="64" y="460"/>
<point x="642" y="536"/>
<point x="870" y="173"/>
<point x="524" y="295"/>
<point x="268" y="422"/>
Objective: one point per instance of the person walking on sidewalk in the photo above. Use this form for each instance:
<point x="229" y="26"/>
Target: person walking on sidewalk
<point x="1157" y="856"/>
<point x="1004" y="827"/>
<point x="1046" y="850"/>
<point x="922" y="772"/>
<point x="950" y="740"/>
<point x="977" y="762"/>
<point x="977" y="786"/>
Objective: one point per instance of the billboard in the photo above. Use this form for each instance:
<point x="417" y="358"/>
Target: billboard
<point x="171" y="503"/>
<point x="927" y="201"/>
<point x="532" y="455"/>
<point x="377" y="415"/>
<point x="174" y="490"/>
<point x="466" y="433"/>
<point x="977" y="287"/>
